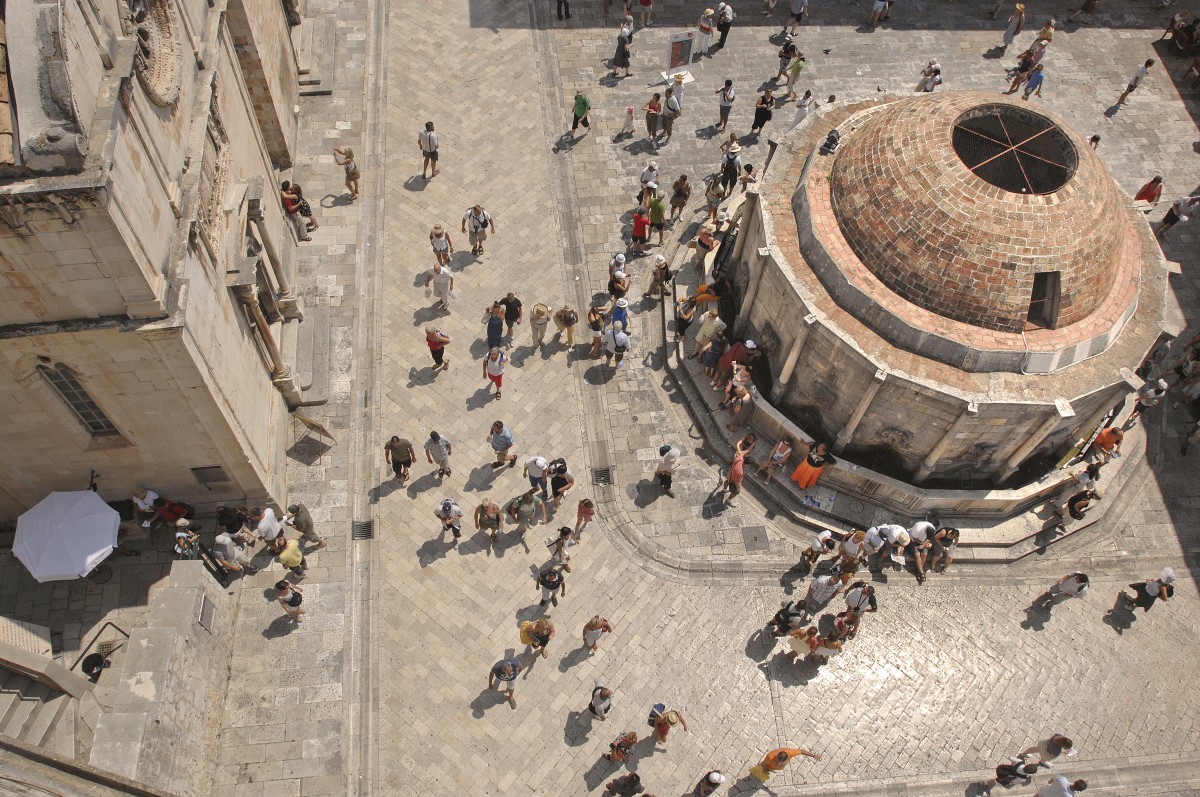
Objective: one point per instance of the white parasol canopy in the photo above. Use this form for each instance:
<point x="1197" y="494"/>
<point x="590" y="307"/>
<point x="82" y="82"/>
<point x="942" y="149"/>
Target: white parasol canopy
<point x="66" y="535"/>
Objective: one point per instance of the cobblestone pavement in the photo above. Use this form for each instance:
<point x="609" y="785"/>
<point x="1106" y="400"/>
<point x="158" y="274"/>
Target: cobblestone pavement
<point x="945" y="680"/>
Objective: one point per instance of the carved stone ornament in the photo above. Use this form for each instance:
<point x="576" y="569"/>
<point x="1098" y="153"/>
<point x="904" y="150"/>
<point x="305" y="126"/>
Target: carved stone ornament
<point x="159" y="59"/>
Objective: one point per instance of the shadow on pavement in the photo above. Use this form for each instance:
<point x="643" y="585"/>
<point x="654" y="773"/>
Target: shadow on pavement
<point x="488" y="698"/>
<point x="426" y="482"/>
<point x="576" y="656"/>
<point x="760" y="645"/>
<point x="1120" y="617"/>
<point x="1037" y="614"/>
<point x="430" y="551"/>
<point x="579" y="725"/>
<point x="647" y="493"/>
<point x="788" y="673"/>
<point x="279" y="627"/>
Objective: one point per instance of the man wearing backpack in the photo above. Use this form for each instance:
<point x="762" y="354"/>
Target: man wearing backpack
<point x="451" y="516"/>
<point x="731" y="164"/>
<point x="479" y="220"/>
<point x="616" y="342"/>
<point x="601" y="702"/>
<point x="672" y="109"/>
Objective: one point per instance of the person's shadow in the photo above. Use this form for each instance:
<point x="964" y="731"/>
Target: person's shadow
<point x="420" y="485"/>
<point x="794" y="574"/>
<point x="1037" y="614"/>
<point x="576" y="656"/>
<point x="279" y="627"/>
<point x="488" y="698"/>
<point x="648" y="492"/>
<point x="415" y="183"/>
<point x="748" y="785"/>
<point x="760" y="644"/>
<point x="579" y="725"/>
<point x="1120" y="617"/>
<point x="596" y="775"/>
<point x="480" y="398"/>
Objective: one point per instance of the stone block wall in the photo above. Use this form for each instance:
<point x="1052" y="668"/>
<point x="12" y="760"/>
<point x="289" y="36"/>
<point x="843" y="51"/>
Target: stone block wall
<point x="173" y="409"/>
<point x="268" y="61"/>
<point x="164" y="724"/>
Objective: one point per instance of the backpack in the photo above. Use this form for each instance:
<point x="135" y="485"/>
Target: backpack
<point x="556" y="465"/>
<point x="656" y="712"/>
<point x="729" y="168"/>
<point x="571" y="318"/>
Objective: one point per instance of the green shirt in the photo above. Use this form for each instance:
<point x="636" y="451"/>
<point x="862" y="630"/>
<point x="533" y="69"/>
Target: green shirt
<point x="658" y="210"/>
<point x="797" y="68"/>
<point x="582" y="105"/>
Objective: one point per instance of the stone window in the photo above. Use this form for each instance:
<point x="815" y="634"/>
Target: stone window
<point x="68" y="387"/>
<point x="1043" y="302"/>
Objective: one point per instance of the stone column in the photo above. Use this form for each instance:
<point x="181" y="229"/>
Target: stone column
<point x="281" y="374"/>
<point x="927" y="465"/>
<point x="789" y="365"/>
<point x="756" y="268"/>
<point x="289" y="304"/>
<point x="847" y="433"/>
<point x="1062" y="409"/>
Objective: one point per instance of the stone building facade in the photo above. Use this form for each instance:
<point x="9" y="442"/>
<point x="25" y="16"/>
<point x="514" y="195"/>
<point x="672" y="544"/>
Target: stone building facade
<point x="897" y="293"/>
<point x="146" y="265"/>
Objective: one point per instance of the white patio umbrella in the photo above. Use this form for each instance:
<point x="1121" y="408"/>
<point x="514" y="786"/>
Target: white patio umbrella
<point x="66" y="535"/>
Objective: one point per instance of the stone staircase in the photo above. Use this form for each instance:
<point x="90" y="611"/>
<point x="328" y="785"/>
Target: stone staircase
<point x="37" y="714"/>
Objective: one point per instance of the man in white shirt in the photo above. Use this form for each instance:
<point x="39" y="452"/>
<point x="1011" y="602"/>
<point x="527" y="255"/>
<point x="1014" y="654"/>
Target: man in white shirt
<point x="428" y="142"/>
<point x="480" y="221"/>
<point x="1178" y="212"/>
<point x="535" y="471"/>
<point x="143" y="500"/>
<point x="268" y="529"/>
<point x="1138" y="77"/>
<point x="921" y="541"/>
<point x="1148" y="395"/>
<point x="616" y="342"/>
<point x="601" y="702"/>
<point x="821" y="590"/>
<point x="1058" y="786"/>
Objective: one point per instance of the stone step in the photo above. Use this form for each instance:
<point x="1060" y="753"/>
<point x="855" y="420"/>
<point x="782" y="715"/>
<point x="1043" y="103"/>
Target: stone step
<point x="313" y="351"/>
<point x="45" y="716"/>
<point x="30" y="696"/>
<point x="60" y="737"/>
<point x="8" y="693"/>
<point x="318" y="79"/>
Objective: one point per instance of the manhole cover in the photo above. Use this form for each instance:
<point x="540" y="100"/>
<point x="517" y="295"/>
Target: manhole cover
<point x="755" y="538"/>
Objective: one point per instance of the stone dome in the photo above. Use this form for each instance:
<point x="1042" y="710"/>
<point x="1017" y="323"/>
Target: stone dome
<point x="982" y="210"/>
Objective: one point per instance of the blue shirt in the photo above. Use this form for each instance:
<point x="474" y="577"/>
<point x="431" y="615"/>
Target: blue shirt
<point x="498" y="669"/>
<point x="495" y="330"/>
<point x="1035" y="82"/>
<point x="502" y="439"/>
<point x="621" y="314"/>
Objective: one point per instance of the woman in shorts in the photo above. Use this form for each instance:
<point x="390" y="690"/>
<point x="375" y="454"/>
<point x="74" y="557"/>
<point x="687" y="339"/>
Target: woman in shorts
<point x="443" y="247"/>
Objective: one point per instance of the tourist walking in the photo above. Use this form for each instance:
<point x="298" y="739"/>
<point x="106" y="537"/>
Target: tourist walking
<point x="501" y="440"/>
<point x="1058" y="786"/>
<point x="503" y="676"/>
<point x="1034" y="84"/>
<point x="493" y="368"/>
<point x="437" y="340"/>
<point x="725" y="97"/>
<point x="628" y="785"/>
<point x="1016" y="23"/>
<point x="438" y="450"/>
<point x="731" y="163"/>
<point x="653" y="109"/>
<point x="230" y="555"/>
<point x="493" y="320"/>
<point x="681" y="192"/>
<point x="664" y="721"/>
<point x="344" y="157"/>
<point x="553" y="584"/>
<point x="1150" y="193"/>
<point x="595" y="630"/>
<point x="535" y="470"/>
<point x="618" y="750"/>
<point x="580" y="109"/>
<point x="561" y="481"/>
<point x="672" y="110"/>
<point x="427" y="141"/>
<point x="539" y="321"/>
<point x="1013" y="772"/>
<point x="660" y="277"/>
<point x="793" y="74"/>
<point x="725" y="17"/>
<point x="601" y="701"/>
<point x="1145" y="593"/>
<point x="1179" y="211"/>
<point x="1051" y="748"/>
<point x="821" y="590"/>
<point x="399" y="453"/>
<point x="299" y="518"/>
<point x="1072" y="585"/>
<point x="489" y="519"/>
<point x="479" y="222"/>
<point x="668" y="463"/>
<point x="762" y="111"/>
<point x="443" y="247"/>
<point x="440" y="283"/>
<point x="616" y="343"/>
<point x="1148" y="395"/>
<point x="537" y="634"/>
<point x="1135" y="81"/>
<point x="737" y="469"/>
<point x="524" y="509"/>
<point x="820" y="545"/>
<point x="776" y="759"/>
<point x="798" y="13"/>
<point x="708" y="784"/>
<point x="595" y="322"/>
<point x="514" y="313"/>
<point x="268" y="528"/>
<point x="451" y="516"/>
<point x="290" y="597"/>
<point x="620" y="59"/>
<point x="585" y="513"/>
<point x="565" y="320"/>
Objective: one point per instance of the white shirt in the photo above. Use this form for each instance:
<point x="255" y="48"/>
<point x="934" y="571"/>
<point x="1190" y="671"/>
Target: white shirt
<point x="536" y="466"/>
<point x="614" y="340"/>
<point x="649" y="176"/>
<point x="1139" y="76"/>
<point x="1057" y="787"/>
<point x="891" y="532"/>
<point x="429" y="142"/>
<point x="477" y="223"/>
<point x="146" y="504"/>
<point x="600" y="704"/>
<point x="669" y="462"/>
<point x="1072" y="587"/>
<point x="818" y="543"/>
<point x="874" y="539"/>
<point x="496" y="367"/>
<point x="921" y="531"/>
<point x="268" y="527"/>
<point x="726" y="97"/>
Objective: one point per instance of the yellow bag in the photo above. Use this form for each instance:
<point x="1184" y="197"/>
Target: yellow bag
<point x="526" y="626"/>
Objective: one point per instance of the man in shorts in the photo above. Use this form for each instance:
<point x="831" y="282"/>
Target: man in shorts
<point x="398" y="453"/>
<point x="479" y="220"/>
<point x="658" y="216"/>
<point x="428" y="142"/>
<point x="878" y="9"/>
<point x="799" y="9"/>
<point x="501" y="440"/>
<point x="503" y="676"/>
<point x="1135" y="81"/>
<point x="1178" y="212"/>
<point x="438" y="451"/>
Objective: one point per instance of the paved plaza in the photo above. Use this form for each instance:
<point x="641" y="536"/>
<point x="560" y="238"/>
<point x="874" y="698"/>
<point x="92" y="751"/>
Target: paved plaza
<point x="383" y="688"/>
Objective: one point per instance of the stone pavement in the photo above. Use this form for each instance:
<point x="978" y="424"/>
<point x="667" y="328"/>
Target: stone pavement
<point x="947" y="679"/>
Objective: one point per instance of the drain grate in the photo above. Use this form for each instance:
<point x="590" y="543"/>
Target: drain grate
<point x="362" y="530"/>
<point x="602" y="476"/>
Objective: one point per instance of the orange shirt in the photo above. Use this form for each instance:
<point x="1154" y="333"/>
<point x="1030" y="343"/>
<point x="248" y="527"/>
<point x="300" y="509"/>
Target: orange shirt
<point x="1108" y="438"/>
<point x="771" y="765"/>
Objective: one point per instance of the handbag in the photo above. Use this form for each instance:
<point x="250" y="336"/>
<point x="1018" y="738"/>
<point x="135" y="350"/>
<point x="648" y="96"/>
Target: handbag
<point x="525" y="636"/>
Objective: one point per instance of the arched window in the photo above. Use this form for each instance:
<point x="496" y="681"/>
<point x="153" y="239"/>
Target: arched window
<point x="66" y="384"/>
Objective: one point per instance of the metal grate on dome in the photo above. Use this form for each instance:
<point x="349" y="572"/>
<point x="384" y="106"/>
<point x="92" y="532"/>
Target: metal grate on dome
<point x="1014" y="149"/>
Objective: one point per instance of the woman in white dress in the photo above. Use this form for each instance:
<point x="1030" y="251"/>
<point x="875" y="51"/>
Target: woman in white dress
<point x="803" y="106"/>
